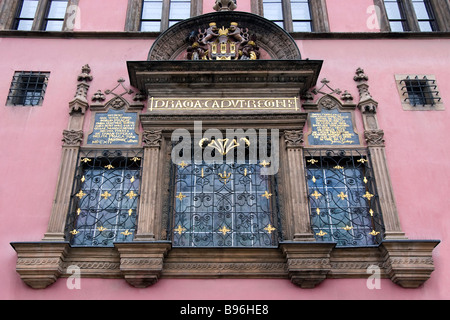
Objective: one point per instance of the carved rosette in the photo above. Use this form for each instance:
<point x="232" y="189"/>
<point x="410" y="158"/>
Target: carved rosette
<point x="152" y="138"/>
<point x="72" y="137"/>
<point x="293" y="138"/>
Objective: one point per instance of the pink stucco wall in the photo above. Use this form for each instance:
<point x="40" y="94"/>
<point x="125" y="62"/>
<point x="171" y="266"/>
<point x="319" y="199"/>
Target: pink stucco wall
<point x="30" y="144"/>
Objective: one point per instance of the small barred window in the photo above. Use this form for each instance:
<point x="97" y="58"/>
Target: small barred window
<point x="28" y="88"/>
<point x="419" y="92"/>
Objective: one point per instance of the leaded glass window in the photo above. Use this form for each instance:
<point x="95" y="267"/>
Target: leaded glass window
<point x="105" y="198"/>
<point x="342" y="196"/>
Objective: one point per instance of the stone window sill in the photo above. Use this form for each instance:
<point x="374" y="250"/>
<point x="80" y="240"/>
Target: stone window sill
<point x="408" y="263"/>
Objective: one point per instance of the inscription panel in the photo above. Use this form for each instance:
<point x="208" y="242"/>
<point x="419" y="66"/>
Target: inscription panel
<point x="331" y="127"/>
<point x="115" y="127"/>
<point x="173" y="104"/>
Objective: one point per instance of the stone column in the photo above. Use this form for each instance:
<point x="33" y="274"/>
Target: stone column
<point x="375" y="142"/>
<point x="147" y="222"/>
<point x="72" y="139"/>
<point x="297" y="186"/>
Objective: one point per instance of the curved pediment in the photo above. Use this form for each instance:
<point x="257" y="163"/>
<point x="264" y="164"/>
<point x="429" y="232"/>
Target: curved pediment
<point x="273" y="42"/>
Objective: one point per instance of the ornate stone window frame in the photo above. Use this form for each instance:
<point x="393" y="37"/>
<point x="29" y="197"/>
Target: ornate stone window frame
<point x="438" y="104"/>
<point x="441" y="10"/>
<point x="319" y="14"/>
<point x="150" y="257"/>
<point x="134" y="13"/>
<point x="8" y="11"/>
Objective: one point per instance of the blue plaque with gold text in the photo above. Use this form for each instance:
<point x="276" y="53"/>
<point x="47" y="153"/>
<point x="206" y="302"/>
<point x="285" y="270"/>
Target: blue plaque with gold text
<point x="115" y="127"/>
<point x="332" y="127"/>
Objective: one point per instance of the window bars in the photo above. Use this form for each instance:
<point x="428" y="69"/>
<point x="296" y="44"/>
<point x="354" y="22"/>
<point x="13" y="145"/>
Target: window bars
<point x="105" y="197"/>
<point x="420" y="91"/>
<point x="342" y="195"/>
<point x="225" y="203"/>
<point x="28" y="88"/>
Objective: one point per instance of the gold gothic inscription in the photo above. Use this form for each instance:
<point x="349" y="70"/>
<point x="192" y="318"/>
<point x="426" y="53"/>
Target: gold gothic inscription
<point x="223" y="103"/>
<point x="114" y="127"/>
<point x="332" y="128"/>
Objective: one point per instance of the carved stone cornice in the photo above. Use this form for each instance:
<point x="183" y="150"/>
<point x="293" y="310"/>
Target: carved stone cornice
<point x="239" y="78"/>
<point x="169" y="122"/>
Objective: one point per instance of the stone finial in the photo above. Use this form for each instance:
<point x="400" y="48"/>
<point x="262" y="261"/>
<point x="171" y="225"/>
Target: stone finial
<point x="360" y="75"/>
<point x="85" y="74"/>
<point x="225" y="5"/>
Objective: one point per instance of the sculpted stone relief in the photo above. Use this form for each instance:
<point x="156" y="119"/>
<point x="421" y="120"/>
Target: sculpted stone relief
<point x="214" y="43"/>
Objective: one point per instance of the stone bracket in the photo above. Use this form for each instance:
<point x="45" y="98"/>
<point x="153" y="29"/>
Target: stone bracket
<point x="40" y="264"/>
<point x="308" y="263"/>
<point x="408" y="263"/>
<point x="141" y="263"/>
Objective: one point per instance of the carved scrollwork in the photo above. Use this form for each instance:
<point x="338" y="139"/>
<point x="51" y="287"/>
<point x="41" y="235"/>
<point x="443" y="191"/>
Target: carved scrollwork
<point x="72" y="137"/>
<point x="374" y="138"/>
<point x="293" y="138"/>
<point x="152" y="138"/>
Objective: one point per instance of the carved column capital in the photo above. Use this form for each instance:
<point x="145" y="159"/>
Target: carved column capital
<point x="374" y="138"/>
<point x="72" y="138"/>
<point x="293" y="138"/>
<point x="152" y="138"/>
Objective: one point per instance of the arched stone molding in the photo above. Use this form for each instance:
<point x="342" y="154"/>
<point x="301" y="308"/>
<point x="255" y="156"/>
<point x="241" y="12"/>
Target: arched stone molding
<point x="270" y="37"/>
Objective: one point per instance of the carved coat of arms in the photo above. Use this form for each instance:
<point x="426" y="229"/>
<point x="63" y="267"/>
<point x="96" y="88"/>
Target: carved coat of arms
<point x="214" y="43"/>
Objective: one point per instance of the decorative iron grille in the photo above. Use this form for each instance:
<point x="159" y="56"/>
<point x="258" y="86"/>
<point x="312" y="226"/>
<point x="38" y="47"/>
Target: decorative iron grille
<point x="105" y="197"/>
<point x="223" y="205"/>
<point x="344" y="205"/>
